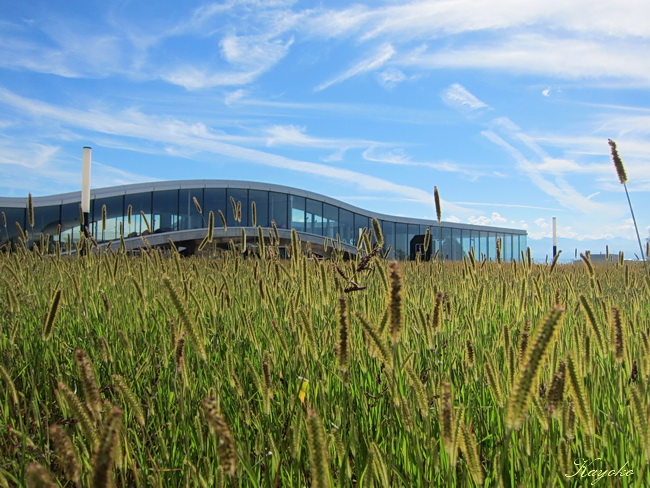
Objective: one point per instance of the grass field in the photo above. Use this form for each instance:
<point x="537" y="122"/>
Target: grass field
<point x="157" y="370"/>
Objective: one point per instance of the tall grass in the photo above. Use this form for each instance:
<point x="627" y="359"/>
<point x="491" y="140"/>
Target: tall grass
<point x="237" y="370"/>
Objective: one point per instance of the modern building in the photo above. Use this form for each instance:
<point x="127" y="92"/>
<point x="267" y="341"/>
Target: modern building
<point x="170" y="210"/>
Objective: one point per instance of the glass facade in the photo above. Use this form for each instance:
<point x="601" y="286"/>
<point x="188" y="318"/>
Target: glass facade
<point x="169" y="210"/>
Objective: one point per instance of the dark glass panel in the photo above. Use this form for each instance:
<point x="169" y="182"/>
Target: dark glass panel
<point x="506" y="245"/>
<point x="446" y="243"/>
<point x="114" y="216"/>
<point x="388" y="229"/>
<point x="238" y="195"/>
<point x="346" y="226"/>
<point x="360" y="222"/>
<point x="314" y="217"/>
<point x="401" y="242"/>
<point x="189" y="216"/>
<point x="70" y="223"/>
<point x="261" y="199"/>
<point x="46" y="219"/>
<point x="141" y="204"/>
<point x="485" y="253"/>
<point x="214" y="199"/>
<point x="13" y="215"/>
<point x="278" y="209"/>
<point x="456" y="245"/>
<point x="330" y="220"/>
<point x="165" y="211"/>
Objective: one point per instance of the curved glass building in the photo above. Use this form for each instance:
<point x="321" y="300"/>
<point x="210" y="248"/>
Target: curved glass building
<point x="170" y="210"/>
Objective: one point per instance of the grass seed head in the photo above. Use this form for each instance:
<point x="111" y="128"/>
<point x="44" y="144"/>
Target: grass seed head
<point x="67" y="453"/>
<point x="107" y="450"/>
<point x="395" y="302"/>
<point x="318" y="457"/>
<point x="521" y="395"/>
<point x="618" y="163"/>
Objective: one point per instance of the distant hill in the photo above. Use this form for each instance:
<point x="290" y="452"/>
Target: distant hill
<point x="540" y="248"/>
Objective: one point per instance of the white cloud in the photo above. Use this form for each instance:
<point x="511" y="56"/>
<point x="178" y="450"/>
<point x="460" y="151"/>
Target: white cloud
<point x="458" y="96"/>
<point x="564" y="58"/>
<point x="495" y="220"/>
<point x="390" y="77"/>
<point x="376" y="61"/>
<point x="136" y="125"/>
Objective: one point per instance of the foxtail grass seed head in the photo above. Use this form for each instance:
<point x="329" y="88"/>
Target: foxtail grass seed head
<point x="30" y="211"/>
<point x="377" y="338"/>
<point x="254" y="214"/>
<point x="469" y="448"/>
<point x="498" y="250"/>
<point x="427" y="239"/>
<point x="342" y="348"/>
<point x="129" y="398"/>
<point x="36" y="476"/>
<point x="521" y="395"/>
<point x="67" y="398"/>
<point x="179" y="354"/>
<point x="436" y="199"/>
<point x="587" y="260"/>
<point x="217" y="425"/>
<point x="593" y="323"/>
<point x="318" y="457"/>
<point x="210" y="226"/>
<point x="55" y="303"/>
<point x="224" y="224"/>
<point x="188" y="323"/>
<point x="447" y="421"/>
<point x="469" y="348"/>
<point x="9" y="384"/>
<point x="106" y="452"/>
<point x="582" y="405"/>
<point x="618" y="163"/>
<point x="395" y="302"/>
<point x="146" y="220"/>
<point x="618" y="335"/>
<point x="67" y="453"/>
<point x="103" y="217"/>
<point x="379" y="235"/>
<point x="556" y="391"/>
<point x="233" y="204"/>
<point x="554" y="262"/>
<point x="4" y="219"/>
<point x="89" y="383"/>
<point x="197" y="205"/>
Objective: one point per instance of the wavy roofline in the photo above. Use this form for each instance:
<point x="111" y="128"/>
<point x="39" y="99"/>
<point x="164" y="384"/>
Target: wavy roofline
<point x="71" y="197"/>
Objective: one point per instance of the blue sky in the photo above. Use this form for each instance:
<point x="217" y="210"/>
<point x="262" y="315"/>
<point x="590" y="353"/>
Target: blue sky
<point x="506" y="106"/>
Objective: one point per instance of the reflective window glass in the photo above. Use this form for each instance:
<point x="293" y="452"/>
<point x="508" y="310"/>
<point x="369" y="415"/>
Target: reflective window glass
<point x="240" y="198"/>
<point x="278" y="209"/>
<point x="189" y="216"/>
<point x="140" y="214"/>
<point x="388" y="229"/>
<point x="297" y="212"/>
<point x="346" y="226"/>
<point x="165" y="211"/>
<point x="330" y="220"/>
<point x="261" y="199"/>
<point x="401" y="242"/>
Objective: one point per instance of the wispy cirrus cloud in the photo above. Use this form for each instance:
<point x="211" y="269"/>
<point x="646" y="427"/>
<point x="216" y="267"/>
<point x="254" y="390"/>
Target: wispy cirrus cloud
<point x="457" y="96"/>
<point x="135" y="125"/>
<point x="559" y="57"/>
<point x="372" y="63"/>
<point x="400" y="157"/>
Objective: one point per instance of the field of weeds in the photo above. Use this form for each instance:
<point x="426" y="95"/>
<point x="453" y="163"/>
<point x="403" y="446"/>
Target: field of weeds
<point x="157" y="370"/>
